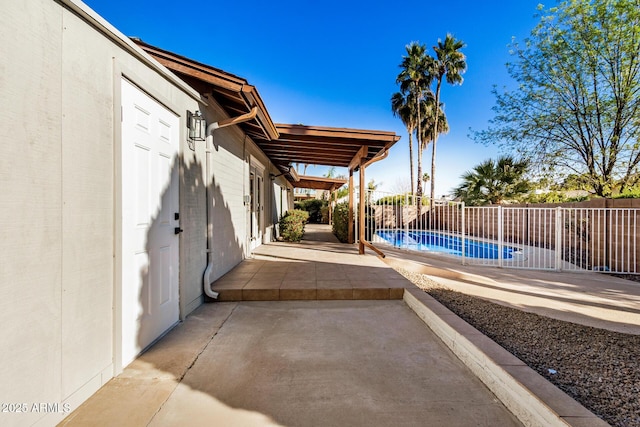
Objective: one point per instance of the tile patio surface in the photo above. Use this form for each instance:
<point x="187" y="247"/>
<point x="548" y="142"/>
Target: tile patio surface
<point x="318" y="268"/>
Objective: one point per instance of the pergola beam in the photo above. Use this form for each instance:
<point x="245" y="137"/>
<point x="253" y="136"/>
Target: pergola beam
<point x="356" y="161"/>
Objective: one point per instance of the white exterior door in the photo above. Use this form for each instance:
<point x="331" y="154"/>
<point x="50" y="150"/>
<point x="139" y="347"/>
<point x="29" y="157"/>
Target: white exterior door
<point x="150" y="136"/>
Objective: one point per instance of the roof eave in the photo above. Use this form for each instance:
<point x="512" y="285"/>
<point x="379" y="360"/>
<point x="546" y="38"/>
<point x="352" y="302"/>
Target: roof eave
<point x="218" y="79"/>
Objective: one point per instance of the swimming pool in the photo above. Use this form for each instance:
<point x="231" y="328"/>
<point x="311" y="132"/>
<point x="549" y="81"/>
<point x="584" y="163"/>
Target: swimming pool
<point x="429" y="241"/>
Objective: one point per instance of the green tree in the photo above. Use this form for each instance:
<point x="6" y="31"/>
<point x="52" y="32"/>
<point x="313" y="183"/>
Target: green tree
<point x="576" y="108"/>
<point x="449" y="65"/>
<point x="492" y="182"/>
<point x="415" y="78"/>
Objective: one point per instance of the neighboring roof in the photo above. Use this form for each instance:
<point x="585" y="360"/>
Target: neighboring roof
<point x="319" y="183"/>
<point x="284" y="144"/>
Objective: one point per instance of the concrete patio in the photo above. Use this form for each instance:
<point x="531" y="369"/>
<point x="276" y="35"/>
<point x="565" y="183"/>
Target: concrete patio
<point x="343" y="350"/>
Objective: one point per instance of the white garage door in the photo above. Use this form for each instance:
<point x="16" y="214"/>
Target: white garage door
<point x="149" y="214"/>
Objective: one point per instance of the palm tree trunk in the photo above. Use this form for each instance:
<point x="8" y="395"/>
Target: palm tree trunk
<point x="418" y="198"/>
<point x="433" y="152"/>
<point x="433" y="173"/>
<point x="419" y="143"/>
<point x="419" y="170"/>
<point x="411" y="159"/>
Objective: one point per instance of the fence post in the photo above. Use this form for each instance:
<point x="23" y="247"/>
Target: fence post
<point x="558" y="245"/>
<point x="500" y="236"/>
<point x="406" y="222"/>
<point x="463" y="234"/>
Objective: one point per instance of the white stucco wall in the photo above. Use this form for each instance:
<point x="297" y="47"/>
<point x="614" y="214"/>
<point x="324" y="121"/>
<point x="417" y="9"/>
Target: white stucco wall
<point x="31" y="208"/>
<point x="60" y="71"/>
<point x="229" y="182"/>
<point x="59" y="83"/>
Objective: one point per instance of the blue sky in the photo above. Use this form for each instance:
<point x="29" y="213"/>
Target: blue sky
<point x="334" y="63"/>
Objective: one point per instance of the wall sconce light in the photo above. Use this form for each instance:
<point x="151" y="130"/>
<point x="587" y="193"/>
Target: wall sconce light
<point x="196" y="125"/>
<point x="272" y="176"/>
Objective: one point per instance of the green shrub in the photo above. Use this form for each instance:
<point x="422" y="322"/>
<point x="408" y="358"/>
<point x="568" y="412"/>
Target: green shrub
<point x="629" y="193"/>
<point x="341" y="221"/>
<point x="292" y="225"/>
<point x="314" y="207"/>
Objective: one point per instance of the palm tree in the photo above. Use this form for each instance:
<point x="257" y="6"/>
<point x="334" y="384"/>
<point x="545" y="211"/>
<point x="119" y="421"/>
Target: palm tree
<point x="330" y="172"/>
<point x="404" y="107"/>
<point x="372" y="186"/>
<point x="415" y="78"/>
<point x="425" y="178"/>
<point x="449" y="64"/>
<point x="429" y="121"/>
<point x="492" y="182"/>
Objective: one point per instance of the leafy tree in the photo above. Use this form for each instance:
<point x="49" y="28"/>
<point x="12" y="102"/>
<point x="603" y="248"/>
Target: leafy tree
<point x="415" y="78"/>
<point x="450" y="63"/>
<point x="313" y="207"/>
<point x="492" y="182"/>
<point x="576" y="108"/>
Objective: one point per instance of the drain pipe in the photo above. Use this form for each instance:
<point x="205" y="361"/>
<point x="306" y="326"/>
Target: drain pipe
<point x="206" y="279"/>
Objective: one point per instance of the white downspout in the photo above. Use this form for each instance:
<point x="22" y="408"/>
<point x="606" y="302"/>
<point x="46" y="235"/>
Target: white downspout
<point x="206" y="279"/>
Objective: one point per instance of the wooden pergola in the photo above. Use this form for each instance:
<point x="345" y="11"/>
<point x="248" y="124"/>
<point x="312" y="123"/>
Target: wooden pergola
<point x="354" y="149"/>
<point x="285" y="144"/>
<point x="321" y="183"/>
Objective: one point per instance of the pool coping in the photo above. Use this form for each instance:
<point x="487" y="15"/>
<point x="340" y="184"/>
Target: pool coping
<point x="534" y="400"/>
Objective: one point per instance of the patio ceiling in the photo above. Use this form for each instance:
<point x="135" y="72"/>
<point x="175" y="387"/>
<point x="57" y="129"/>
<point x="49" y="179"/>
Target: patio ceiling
<point x="319" y="183"/>
<point x="284" y="144"/>
<point x="325" y="145"/>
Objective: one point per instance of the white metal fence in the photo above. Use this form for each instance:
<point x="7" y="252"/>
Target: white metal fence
<point x="569" y="239"/>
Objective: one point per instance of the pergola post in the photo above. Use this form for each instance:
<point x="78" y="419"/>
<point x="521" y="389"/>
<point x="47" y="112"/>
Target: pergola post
<point x="361" y="210"/>
<point x="357" y="161"/>
<point x="351" y="239"/>
<point x="331" y="202"/>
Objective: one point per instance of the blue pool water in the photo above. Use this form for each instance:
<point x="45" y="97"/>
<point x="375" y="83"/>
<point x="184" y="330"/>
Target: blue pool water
<point x="436" y="242"/>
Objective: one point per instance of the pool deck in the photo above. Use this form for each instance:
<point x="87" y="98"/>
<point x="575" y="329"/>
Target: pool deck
<point x="588" y="298"/>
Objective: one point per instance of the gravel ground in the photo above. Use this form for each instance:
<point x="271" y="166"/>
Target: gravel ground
<point x="598" y="368"/>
